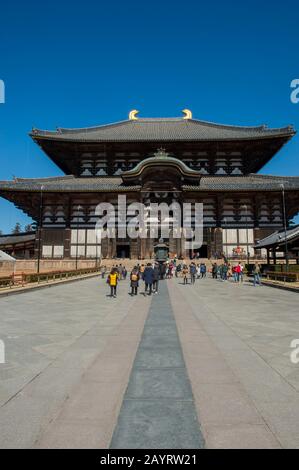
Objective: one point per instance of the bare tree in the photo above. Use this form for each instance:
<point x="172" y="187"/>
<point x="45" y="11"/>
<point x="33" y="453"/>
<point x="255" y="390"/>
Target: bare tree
<point x="17" y="228"/>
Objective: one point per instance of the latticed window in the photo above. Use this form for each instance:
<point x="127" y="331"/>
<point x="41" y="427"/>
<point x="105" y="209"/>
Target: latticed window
<point x="85" y="244"/>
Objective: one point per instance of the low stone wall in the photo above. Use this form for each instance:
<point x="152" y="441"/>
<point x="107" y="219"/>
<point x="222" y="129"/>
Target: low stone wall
<point x="47" y="265"/>
<point x="6" y="268"/>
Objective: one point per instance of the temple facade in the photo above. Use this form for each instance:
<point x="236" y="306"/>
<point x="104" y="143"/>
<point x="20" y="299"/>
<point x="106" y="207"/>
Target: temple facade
<point x="157" y="160"/>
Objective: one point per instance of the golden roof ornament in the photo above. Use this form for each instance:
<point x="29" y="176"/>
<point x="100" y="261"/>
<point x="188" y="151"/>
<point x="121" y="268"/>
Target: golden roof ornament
<point x="161" y="153"/>
<point x="187" y="114"/>
<point x="133" y="115"/>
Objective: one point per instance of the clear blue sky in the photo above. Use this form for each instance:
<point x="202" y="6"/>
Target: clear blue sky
<point x="75" y="64"/>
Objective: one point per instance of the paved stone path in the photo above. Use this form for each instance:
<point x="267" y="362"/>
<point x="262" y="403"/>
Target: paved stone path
<point x="236" y="341"/>
<point x="203" y="365"/>
<point x="69" y="350"/>
<point x="158" y="409"/>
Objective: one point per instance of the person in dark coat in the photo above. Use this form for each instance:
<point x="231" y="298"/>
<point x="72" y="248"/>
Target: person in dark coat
<point x="215" y="271"/>
<point x="192" y="270"/>
<point x="203" y="270"/>
<point x="178" y="270"/>
<point x="148" y="277"/>
<point x="163" y="270"/>
<point x="156" y="278"/>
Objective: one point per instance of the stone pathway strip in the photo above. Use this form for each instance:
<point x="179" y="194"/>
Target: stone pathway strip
<point x="158" y="409"/>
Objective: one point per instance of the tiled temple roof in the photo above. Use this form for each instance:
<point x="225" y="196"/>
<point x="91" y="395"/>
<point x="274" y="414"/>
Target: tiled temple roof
<point x="279" y="238"/>
<point x="251" y="182"/>
<point x="12" y="239"/>
<point x="67" y="184"/>
<point x="162" y="129"/>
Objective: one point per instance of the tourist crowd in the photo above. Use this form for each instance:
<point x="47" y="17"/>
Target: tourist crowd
<point x="152" y="273"/>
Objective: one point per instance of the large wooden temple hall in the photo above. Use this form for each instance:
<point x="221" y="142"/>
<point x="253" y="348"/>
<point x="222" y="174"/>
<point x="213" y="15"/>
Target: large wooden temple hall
<point x="157" y="160"/>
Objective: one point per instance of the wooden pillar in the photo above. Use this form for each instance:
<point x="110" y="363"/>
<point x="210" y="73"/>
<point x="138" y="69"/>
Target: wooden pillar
<point x="183" y="249"/>
<point x="218" y="211"/>
<point x="67" y="231"/>
<point x="150" y="247"/>
<point x="218" y="234"/>
<point x="109" y="247"/>
<point x="147" y="245"/>
<point x="134" y="249"/>
<point x="142" y="248"/>
<point x="104" y="248"/>
<point x="210" y="248"/>
<point x="67" y="243"/>
<point x="178" y="247"/>
<point x="113" y="247"/>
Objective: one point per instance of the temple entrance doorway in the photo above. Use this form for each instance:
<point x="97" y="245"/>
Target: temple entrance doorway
<point x="198" y="253"/>
<point x="123" y="251"/>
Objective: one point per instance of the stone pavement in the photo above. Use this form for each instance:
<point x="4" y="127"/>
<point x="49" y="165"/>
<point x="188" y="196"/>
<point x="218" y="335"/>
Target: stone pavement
<point x="69" y="350"/>
<point x="236" y="340"/>
<point x="158" y="410"/>
<point x="196" y="365"/>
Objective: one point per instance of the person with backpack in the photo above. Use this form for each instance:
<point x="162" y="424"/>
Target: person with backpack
<point x="203" y="270"/>
<point x="134" y="278"/>
<point x="112" y="280"/>
<point x="178" y="270"/>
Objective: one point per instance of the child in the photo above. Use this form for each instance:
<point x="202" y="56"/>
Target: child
<point x="112" y="280"/>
